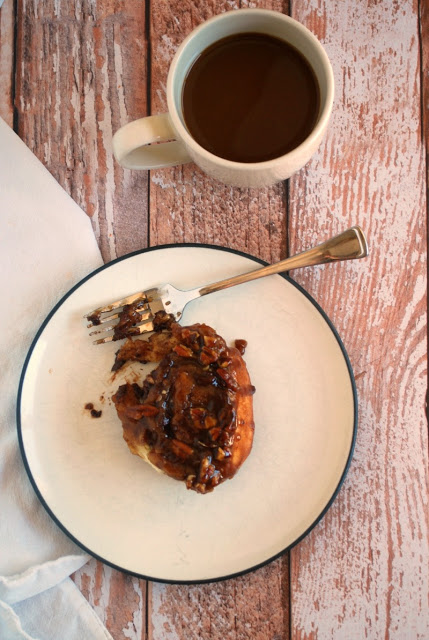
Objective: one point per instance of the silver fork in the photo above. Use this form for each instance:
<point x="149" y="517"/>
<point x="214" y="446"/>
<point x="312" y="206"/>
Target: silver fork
<point x="349" y="245"/>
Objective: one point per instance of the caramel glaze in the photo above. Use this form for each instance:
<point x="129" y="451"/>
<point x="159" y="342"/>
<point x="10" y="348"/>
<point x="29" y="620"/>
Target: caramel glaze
<point x="192" y="418"/>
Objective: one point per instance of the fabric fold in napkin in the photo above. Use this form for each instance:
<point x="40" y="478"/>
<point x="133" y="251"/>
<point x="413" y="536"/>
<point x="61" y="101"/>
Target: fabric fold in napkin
<point x="46" y="246"/>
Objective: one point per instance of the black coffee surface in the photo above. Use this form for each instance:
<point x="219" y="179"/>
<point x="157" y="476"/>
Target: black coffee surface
<point x="250" y="97"/>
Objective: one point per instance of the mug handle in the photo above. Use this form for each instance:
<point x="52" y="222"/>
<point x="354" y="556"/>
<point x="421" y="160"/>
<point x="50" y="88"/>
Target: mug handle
<point x="133" y="144"/>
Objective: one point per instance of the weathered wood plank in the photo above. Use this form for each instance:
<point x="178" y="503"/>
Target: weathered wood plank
<point x="81" y="73"/>
<point x="187" y="206"/>
<point x="252" y="607"/>
<point x="424" y="38"/>
<point x="7" y="19"/>
<point x="118" y="599"/>
<point x="363" y="572"/>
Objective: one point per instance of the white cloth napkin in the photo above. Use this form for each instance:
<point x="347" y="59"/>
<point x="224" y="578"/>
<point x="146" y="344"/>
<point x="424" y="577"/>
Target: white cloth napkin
<point x="46" y="246"/>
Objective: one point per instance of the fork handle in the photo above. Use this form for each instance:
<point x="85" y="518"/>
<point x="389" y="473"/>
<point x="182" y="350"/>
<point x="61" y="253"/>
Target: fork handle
<point x="349" y="245"/>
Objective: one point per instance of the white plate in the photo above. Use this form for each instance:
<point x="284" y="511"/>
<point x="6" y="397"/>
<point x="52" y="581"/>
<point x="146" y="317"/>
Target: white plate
<point x="122" y="511"/>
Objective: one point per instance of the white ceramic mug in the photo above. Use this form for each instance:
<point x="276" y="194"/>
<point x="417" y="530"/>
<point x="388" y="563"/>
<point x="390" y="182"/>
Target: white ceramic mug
<point x="132" y="144"/>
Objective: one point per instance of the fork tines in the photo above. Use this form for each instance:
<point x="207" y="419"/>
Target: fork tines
<point x="135" y="321"/>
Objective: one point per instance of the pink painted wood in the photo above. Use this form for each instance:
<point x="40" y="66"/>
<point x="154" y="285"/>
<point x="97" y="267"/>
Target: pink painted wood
<point x="71" y="73"/>
<point x="7" y="17"/>
<point x="353" y="575"/>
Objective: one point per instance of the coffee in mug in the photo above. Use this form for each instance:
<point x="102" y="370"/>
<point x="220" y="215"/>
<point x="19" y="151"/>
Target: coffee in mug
<point x="249" y="95"/>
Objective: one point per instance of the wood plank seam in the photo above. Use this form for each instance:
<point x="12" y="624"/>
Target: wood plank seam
<point x="7" y="61"/>
<point x="423" y="18"/>
<point x="14" y="65"/>
<point x="148" y="112"/>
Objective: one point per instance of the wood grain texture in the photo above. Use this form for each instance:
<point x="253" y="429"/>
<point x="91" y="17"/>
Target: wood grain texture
<point x="252" y="607"/>
<point x="7" y="20"/>
<point x="424" y="40"/>
<point x="353" y="576"/>
<point x="80" y="74"/>
<point x="74" y="88"/>
<point x="118" y="599"/>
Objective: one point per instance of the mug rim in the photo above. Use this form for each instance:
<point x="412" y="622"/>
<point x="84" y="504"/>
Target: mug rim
<point x="316" y="132"/>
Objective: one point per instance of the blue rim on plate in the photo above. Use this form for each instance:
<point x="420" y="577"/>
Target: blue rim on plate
<point x="100" y="557"/>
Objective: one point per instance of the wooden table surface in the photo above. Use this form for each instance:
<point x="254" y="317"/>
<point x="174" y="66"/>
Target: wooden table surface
<point x="71" y="73"/>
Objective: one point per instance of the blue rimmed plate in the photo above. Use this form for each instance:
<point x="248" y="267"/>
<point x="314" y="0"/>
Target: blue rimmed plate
<point x="131" y="517"/>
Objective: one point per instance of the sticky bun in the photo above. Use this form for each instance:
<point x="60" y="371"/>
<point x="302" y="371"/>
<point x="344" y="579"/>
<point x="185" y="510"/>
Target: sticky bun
<point x="192" y="416"/>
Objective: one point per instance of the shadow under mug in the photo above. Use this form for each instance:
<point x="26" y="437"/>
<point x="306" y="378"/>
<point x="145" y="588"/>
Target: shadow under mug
<point x="133" y="144"/>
